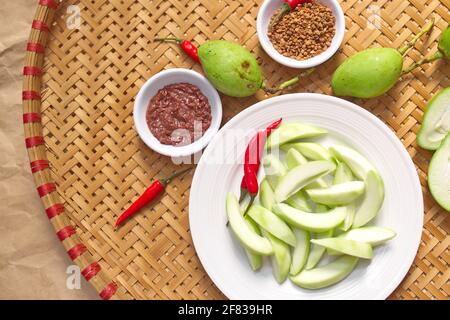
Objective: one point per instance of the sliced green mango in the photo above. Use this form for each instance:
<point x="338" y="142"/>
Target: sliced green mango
<point x="311" y="221"/>
<point x="255" y="260"/>
<point x="327" y="275"/>
<point x="321" y="208"/>
<point x="300" y="201"/>
<point x="281" y="259"/>
<point x="372" y="202"/>
<point x="436" y="121"/>
<point x="343" y="174"/>
<point x="350" y="218"/>
<point x="295" y="159"/>
<point x="339" y="194"/>
<point x="439" y="174"/>
<point x="372" y="235"/>
<point x="301" y="251"/>
<point x="300" y="177"/>
<point x="312" y="151"/>
<point x="316" y="251"/>
<point x="274" y="170"/>
<point x="293" y="131"/>
<point x="272" y="224"/>
<point x="266" y="195"/>
<point x="359" y="165"/>
<point x="248" y="238"/>
<point x="349" y="247"/>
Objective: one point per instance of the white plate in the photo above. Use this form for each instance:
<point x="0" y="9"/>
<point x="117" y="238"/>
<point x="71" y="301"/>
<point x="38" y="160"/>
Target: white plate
<point x="222" y="256"/>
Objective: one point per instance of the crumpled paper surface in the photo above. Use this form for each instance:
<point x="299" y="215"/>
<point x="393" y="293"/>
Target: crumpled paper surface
<point x="33" y="263"/>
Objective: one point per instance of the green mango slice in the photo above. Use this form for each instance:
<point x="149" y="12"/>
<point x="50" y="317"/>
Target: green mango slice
<point x="439" y="174"/>
<point x="300" y="177"/>
<point x="247" y="237"/>
<point x="339" y="194"/>
<point x="372" y="235"/>
<point x="312" y="151"/>
<point x="288" y="132"/>
<point x="316" y="251"/>
<point x="311" y="221"/>
<point x="301" y="251"/>
<point x="295" y="159"/>
<point x="372" y="201"/>
<point x="359" y="165"/>
<point x="327" y="275"/>
<point x="231" y="68"/>
<point x="368" y="74"/>
<point x="349" y="247"/>
<point x="256" y="260"/>
<point x="272" y="224"/>
<point x="436" y="121"/>
<point x="266" y="195"/>
<point x="281" y="259"/>
<point x="344" y="174"/>
<point x="274" y="169"/>
<point x="299" y="201"/>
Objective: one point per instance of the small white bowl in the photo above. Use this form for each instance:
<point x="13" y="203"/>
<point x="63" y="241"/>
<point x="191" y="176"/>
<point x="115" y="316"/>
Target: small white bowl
<point x="268" y="9"/>
<point x="150" y="89"/>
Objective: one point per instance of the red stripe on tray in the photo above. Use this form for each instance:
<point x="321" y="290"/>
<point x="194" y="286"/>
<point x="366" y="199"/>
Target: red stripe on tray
<point x="54" y="210"/>
<point x="40" y="25"/>
<point x="45" y="189"/>
<point x="31" y="95"/>
<point x="66" y="232"/>
<point x="49" y="3"/>
<point x="35" y="47"/>
<point x="91" y="270"/>
<point x="31" y="117"/>
<point x="39" y="165"/>
<point x="34" y="141"/>
<point x="76" y="251"/>
<point x="32" y="71"/>
<point x="108" y="291"/>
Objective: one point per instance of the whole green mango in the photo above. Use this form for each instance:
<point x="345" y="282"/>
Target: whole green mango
<point x="444" y="43"/>
<point x="231" y="68"/>
<point x="368" y="74"/>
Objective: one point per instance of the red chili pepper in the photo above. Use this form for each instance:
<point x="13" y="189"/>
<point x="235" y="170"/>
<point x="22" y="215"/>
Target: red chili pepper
<point x="149" y="195"/>
<point x="288" y="6"/>
<point x="188" y="47"/>
<point x="251" y="180"/>
<point x="253" y="154"/>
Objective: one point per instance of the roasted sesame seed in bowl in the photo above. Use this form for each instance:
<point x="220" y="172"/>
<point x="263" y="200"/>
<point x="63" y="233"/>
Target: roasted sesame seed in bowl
<point x="304" y="37"/>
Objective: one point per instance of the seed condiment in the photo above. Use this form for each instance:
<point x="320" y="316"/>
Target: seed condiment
<point x="304" y="32"/>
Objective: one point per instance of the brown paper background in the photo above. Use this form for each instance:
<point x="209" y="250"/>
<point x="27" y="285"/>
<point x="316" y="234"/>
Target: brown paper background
<point x="32" y="261"/>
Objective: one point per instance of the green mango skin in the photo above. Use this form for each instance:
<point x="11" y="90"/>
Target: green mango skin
<point x="368" y="74"/>
<point x="444" y="43"/>
<point x="231" y="68"/>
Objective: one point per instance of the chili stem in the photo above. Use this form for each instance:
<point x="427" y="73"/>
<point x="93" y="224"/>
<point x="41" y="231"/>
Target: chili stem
<point x="173" y="176"/>
<point x="290" y="83"/>
<point x="285" y="9"/>
<point x="438" y="55"/>
<point x="404" y="50"/>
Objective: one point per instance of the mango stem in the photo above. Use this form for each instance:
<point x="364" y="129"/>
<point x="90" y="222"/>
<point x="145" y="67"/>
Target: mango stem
<point x="289" y="83"/>
<point x="428" y="27"/>
<point x="438" y="55"/>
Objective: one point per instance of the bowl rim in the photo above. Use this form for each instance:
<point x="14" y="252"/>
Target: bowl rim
<point x="311" y="62"/>
<point x="141" y="102"/>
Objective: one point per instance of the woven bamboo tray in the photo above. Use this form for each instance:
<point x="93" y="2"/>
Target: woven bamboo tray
<point x="89" y="164"/>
